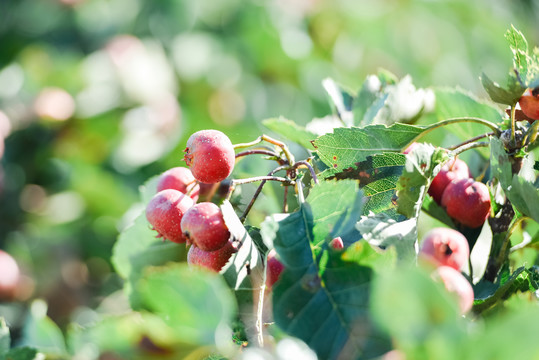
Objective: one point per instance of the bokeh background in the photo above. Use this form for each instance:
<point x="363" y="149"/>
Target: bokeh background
<point x="97" y="96"/>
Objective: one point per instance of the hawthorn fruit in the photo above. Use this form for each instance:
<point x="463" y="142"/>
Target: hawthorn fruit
<point x="212" y="260"/>
<point x="445" y="247"/>
<point x="457" y="284"/>
<point x="165" y="211"/>
<point x="274" y="268"/>
<point x="337" y="243"/>
<point x="452" y="170"/>
<point x="9" y="276"/>
<point x="210" y="156"/>
<point x="467" y="201"/>
<point x="204" y="226"/>
<point x="181" y="179"/>
<point x="529" y="104"/>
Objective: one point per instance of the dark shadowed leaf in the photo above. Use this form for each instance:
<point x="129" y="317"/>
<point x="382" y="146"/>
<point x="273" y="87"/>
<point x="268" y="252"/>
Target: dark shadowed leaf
<point x="322" y="289"/>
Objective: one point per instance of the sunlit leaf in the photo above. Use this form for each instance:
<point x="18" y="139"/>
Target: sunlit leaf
<point x="292" y="131"/>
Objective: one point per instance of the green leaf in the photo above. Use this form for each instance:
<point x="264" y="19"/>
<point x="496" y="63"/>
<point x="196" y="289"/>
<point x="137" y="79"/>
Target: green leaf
<point x="487" y="294"/>
<point x="457" y="103"/>
<point x="41" y="332"/>
<point x="435" y="211"/>
<point x="197" y="304"/>
<point x="319" y="289"/>
<point x="21" y="353"/>
<point x="377" y="177"/>
<point x="422" y="164"/>
<point x="508" y="95"/>
<point x="5" y="339"/>
<point x="346" y="147"/>
<point x="292" y="131"/>
<point x="341" y="100"/>
<point x="519" y="47"/>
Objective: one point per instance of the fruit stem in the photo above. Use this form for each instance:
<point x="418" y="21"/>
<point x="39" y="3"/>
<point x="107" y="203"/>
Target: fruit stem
<point x="260" y="152"/>
<point x="478" y="137"/>
<point x="311" y="170"/>
<point x="466" y="147"/>
<point x="271" y="140"/>
<point x="455" y="120"/>
<point x="513" y="111"/>
<point x="235" y="182"/>
<point x="257" y="192"/>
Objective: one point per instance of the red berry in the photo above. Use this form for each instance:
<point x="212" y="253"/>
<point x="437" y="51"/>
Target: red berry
<point x="210" y="156"/>
<point x="204" y="226"/>
<point x="274" y="268"/>
<point x="9" y="276"/>
<point x="165" y="211"/>
<point x="457" y="284"/>
<point x="529" y="104"/>
<point x="444" y="246"/>
<point x="467" y="201"/>
<point x="212" y="260"/>
<point x="337" y="243"/>
<point x="181" y="179"/>
<point x="452" y="170"/>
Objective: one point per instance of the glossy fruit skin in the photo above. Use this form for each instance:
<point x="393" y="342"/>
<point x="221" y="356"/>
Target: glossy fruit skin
<point x="452" y="170"/>
<point x="204" y="226"/>
<point x="445" y="247"/>
<point x="467" y="201"/>
<point x="529" y="104"/>
<point x="210" y="156"/>
<point x="181" y="179"/>
<point x="9" y="276"/>
<point x="165" y="211"/>
<point x="456" y="283"/>
<point x="212" y="260"/>
<point x="274" y="268"/>
<point x="337" y="243"/>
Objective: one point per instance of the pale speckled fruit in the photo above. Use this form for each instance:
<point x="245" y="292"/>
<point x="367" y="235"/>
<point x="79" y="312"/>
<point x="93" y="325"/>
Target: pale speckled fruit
<point x="210" y="156"/>
<point x="452" y="170"/>
<point x="467" y="201"/>
<point x="457" y="284"/>
<point x="181" y="179"/>
<point x="204" y="226"/>
<point x="9" y="276"/>
<point x="165" y="211"/>
<point x="212" y="260"/>
<point x="445" y="246"/>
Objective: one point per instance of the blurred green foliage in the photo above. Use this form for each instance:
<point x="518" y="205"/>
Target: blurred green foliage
<point x="96" y="96"/>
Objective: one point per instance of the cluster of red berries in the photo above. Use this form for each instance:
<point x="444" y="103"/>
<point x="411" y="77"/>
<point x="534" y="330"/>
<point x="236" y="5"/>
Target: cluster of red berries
<point x="448" y="251"/>
<point x="465" y="200"/>
<point x="176" y="216"/>
<point x="173" y="211"/>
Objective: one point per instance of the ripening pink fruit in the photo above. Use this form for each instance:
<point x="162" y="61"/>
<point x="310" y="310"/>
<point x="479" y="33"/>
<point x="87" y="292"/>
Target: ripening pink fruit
<point x="529" y="104"/>
<point x="9" y="276"/>
<point x="204" y="226"/>
<point x="274" y="268"/>
<point x="444" y="246"/>
<point x="337" y="243"/>
<point x="210" y="156"/>
<point x="457" y="284"/>
<point x="165" y="211"/>
<point x="181" y="179"/>
<point x="467" y="201"/>
<point x="452" y="170"/>
<point x="212" y="260"/>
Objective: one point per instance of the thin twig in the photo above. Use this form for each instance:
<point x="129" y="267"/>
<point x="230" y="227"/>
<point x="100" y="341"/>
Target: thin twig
<point x="466" y="147"/>
<point x="474" y="139"/>
<point x="259" y="152"/>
